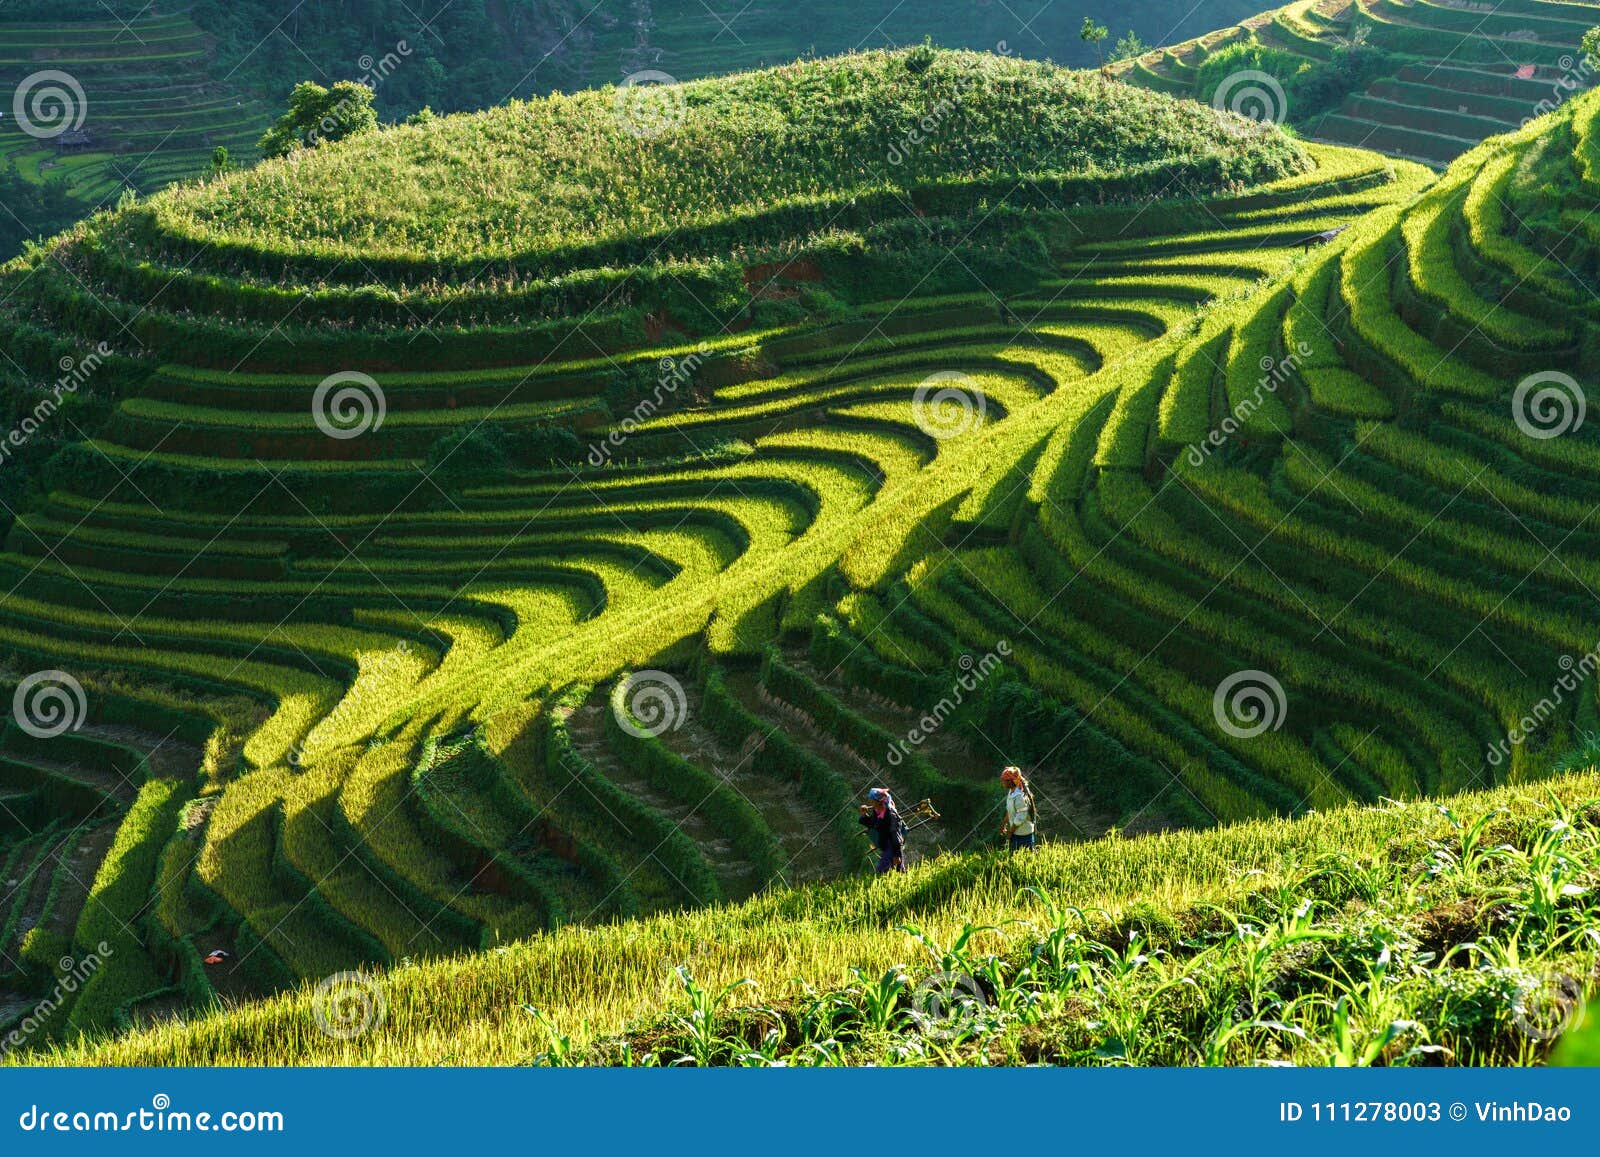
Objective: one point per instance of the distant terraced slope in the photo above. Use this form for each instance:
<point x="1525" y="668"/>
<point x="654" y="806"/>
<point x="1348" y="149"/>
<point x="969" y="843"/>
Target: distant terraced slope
<point x="1456" y="74"/>
<point x="137" y="109"/>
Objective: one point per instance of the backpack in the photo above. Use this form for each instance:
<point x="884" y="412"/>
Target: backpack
<point x="900" y="830"/>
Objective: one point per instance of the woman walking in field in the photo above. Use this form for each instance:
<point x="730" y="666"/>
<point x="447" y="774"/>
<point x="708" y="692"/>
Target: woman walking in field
<point x="1019" y="826"/>
<point x="879" y="817"/>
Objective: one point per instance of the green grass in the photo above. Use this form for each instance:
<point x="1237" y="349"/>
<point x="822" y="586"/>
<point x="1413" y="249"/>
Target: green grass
<point x="791" y="144"/>
<point x="1443" y="920"/>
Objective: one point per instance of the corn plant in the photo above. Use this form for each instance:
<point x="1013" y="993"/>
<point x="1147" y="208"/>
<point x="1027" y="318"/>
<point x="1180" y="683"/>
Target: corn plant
<point x="699" y="1027"/>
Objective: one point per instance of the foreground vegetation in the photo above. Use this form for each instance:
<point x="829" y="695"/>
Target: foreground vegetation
<point x="1414" y="933"/>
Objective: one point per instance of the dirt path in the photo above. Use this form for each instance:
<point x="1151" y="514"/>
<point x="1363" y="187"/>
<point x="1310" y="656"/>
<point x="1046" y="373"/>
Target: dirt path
<point x="77" y="868"/>
<point x="102" y="779"/>
<point x="1066" y="811"/>
<point x="810" y="852"/>
<point x="34" y="883"/>
<point x="170" y="757"/>
<point x="588" y="727"/>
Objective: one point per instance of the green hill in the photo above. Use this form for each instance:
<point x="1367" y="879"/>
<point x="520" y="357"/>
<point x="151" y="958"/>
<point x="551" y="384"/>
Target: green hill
<point x="429" y="591"/>
<point x="1420" y="79"/>
<point x="322" y="616"/>
<point x="655" y="174"/>
<point x="154" y="91"/>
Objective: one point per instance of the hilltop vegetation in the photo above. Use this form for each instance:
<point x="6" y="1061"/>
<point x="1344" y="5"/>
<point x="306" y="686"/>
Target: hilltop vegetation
<point x="804" y="140"/>
<point x="427" y="598"/>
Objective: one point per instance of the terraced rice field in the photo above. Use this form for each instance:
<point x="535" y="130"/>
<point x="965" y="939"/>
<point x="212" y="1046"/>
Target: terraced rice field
<point x="1455" y="73"/>
<point x="139" y="89"/>
<point x="347" y="705"/>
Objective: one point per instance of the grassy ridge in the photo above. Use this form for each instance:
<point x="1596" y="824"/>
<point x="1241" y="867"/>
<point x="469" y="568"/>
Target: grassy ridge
<point x="597" y="166"/>
<point x="1272" y="923"/>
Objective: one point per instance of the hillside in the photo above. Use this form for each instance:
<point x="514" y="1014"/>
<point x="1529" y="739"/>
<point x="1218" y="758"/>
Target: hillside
<point x="741" y="162"/>
<point x="1405" y="934"/>
<point x="155" y="89"/>
<point x="427" y="591"/>
<point x="1421" y="79"/>
<point x="245" y="576"/>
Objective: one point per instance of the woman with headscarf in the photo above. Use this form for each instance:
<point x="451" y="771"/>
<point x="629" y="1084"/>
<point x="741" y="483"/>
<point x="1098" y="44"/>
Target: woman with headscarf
<point x="1019" y="826"/>
<point x="878" y="816"/>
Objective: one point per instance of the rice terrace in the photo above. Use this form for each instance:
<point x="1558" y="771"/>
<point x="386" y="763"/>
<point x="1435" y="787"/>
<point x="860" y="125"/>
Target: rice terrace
<point x="824" y="546"/>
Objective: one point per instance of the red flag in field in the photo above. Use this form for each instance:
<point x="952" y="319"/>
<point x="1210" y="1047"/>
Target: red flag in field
<point x="1526" y="71"/>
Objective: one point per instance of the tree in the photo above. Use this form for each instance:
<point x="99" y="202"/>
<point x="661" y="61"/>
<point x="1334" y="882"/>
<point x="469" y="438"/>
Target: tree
<point x="1094" y="34"/>
<point x="320" y="114"/>
<point x="33" y="209"/>
<point x="1591" y="43"/>
<point x="220" y="162"/>
<point x="1129" y="47"/>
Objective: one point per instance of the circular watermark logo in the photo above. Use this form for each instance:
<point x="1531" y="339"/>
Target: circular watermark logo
<point x="948" y="404"/>
<point x="1548" y="1006"/>
<point x="48" y="704"/>
<point x="948" y="1005"/>
<point x="1548" y="405"/>
<point x="1248" y="703"/>
<point x="650" y="104"/>
<point x="348" y="404"/>
<point x="652" y="703"/>
<point x="347" y="1005"/>
<point x="1254" y="95"/>
<point x="48" y="104"/>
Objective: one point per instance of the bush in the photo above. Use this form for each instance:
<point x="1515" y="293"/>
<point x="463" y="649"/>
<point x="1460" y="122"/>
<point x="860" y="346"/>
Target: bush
<point x="477" y="454"/>
<point x="1352" y="67"/>
<point x="1310" y="87"/>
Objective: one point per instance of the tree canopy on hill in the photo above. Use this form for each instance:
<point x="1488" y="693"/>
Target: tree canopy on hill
<point x="320" y="114"/>
<point x="34" y="209"/>
<point x="596" y="165"/>
<point x="1310" y="86"/>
